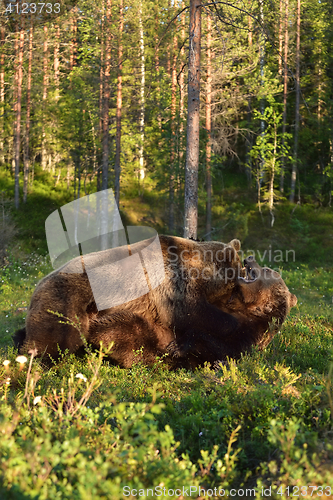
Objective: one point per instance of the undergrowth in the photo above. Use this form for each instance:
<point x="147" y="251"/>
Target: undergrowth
<point x="86" y="429"/>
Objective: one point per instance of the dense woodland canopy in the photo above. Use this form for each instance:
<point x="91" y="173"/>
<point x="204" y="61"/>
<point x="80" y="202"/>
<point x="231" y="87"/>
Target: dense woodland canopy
<point x="97" y="97"/>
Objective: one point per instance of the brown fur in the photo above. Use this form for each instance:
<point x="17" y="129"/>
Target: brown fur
<point x="203" y="310"/>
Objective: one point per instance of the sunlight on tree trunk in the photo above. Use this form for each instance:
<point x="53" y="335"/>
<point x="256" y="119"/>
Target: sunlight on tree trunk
<point x="298" y="91"/>
<point x="285" y="91"/>
<point x="106" y="96"/>
<point x="262" y="82"/>
<point x="101" y="78"/>
<point x="2" y="95"/>
<point x="181" y="107"/>
<point x="209" y="129"/>
<point x="18" y="116"/>
<point x="26" y="151"/>
<point x="117" y="164"/>
<point x="45" y="84"/>
<point x="173" y="134"/>
<point x="142" y="102"/>
<point x="56" y="63"/>
<point x="281" y="23"/>
<point x="72" y="58"/>
<point x="192" y="144"/>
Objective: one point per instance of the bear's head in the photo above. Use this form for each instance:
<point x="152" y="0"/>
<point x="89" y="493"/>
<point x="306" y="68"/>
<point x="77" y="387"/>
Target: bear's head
<point x="261" y="294"/>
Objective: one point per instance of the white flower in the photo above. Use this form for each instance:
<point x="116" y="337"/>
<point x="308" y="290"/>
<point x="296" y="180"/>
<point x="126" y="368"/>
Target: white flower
<point x="82" y="377"/>
<point x="6" y="362"/>
<point x="21" y="359"/>
<point x="37" y="399"/>
<point x="8" y="381"/>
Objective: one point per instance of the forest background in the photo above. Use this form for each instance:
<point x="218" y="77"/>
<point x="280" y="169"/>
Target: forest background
<point x="97" y="98"/>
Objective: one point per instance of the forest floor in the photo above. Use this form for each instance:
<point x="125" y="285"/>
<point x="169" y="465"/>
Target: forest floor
<point x="259" y="427"/>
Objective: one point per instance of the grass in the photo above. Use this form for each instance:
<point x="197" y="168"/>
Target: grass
<point x="274" y="407"/>
<point x="263" y="422"/>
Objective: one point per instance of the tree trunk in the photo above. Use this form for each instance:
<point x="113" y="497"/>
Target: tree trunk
<point x="2" y="94"/>
<point x="298" y="91"/>
<point x="26" y="155"/>
<point x="181" y="101"/>
<point x="106" y="96"/>
<point x="262" y="81"/>
<point x="101" y="78"/>
<point x="72" y="58"/>
<point x="271" y="182"/>
<point x="117" y="165"/>
<point x="173" y="135"/>
<point x="280" y="37"/>
<point x="157" y="68"/>
<point x="56" y="62"/>
<point x="142" y="100"/>
<point x="285" y="93"/>
<point x="18" y="116"/>
<point x="193" y="118"/>
<point x="209" y="129"/>
<point x="16" y="65"/>
<point x="45" y="84"/>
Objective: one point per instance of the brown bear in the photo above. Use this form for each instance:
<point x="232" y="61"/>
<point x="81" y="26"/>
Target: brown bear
<point x="206" y="308"/>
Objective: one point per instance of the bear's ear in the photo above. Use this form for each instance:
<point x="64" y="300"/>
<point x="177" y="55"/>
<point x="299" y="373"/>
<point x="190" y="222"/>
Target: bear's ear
<point x="293" y="300"/>
<point x="236" y="244"/>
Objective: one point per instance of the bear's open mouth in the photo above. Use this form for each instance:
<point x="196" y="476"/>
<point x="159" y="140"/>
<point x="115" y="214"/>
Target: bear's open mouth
<point x="250" y="274"/>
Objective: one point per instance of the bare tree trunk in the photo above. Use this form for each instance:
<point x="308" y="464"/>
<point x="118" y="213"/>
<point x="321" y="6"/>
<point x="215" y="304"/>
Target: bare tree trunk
<point x="271" y="181"/>
<point x="209" y="128"/>
<point x="298" y="91"/>
<point x="285" y="92"/>
<point x="157" y="69"/>
<point x="262" y="81"/>
<point x="142" y="101"/>
<point x="101" y="78"/>
<point x="179" y="175"/>
<point x="2" y="94"/>
<point x="106" y="96"/>
<point x="193" y="119"/>
<point x="280" y="37"/>
<point x="56" y="61"/>
<point x="72" y="58"/>
<point x="45" y="84"/>
<point x="117" y="165"/>
<point x="173" y="135"/>
<point x="26" y="154"/>
<point x="16" y="65"/>
<point x="18" y="117"/>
